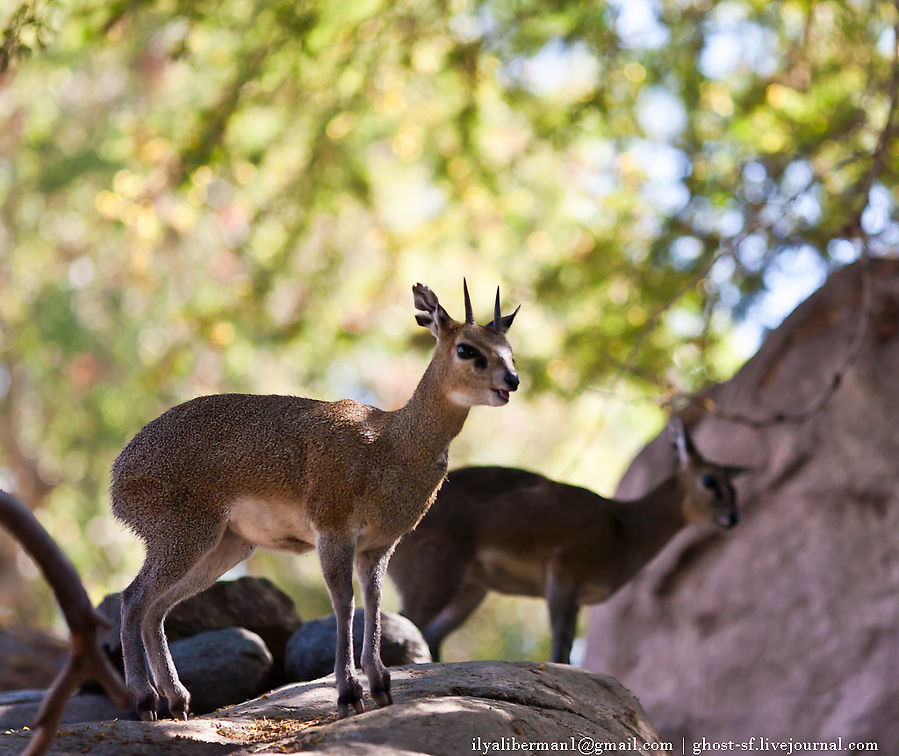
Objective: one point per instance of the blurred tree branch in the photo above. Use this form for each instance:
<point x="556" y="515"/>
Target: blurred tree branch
<point x="853" y="228"/>
<point x="27" y="29"/>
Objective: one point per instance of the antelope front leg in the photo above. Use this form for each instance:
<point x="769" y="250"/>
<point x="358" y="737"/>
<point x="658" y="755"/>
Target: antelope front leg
<point x="336" y="556"/>
<point x="370" y="567"/>
<point x="561" y="595"/>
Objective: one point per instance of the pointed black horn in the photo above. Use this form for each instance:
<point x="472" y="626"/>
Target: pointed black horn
<point x="497" y="315"/>
<point x="469" y="315"/>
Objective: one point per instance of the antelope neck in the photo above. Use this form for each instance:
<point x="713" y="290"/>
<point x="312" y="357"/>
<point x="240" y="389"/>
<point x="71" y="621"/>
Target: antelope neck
<point x="429" y="420"/>
<point x="652" y="520"/>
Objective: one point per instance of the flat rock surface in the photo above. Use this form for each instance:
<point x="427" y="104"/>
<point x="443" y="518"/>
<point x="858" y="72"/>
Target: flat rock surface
<point x="439" y="709"/>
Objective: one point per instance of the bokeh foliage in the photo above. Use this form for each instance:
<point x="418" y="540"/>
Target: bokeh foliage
<point x="236" y="195"/>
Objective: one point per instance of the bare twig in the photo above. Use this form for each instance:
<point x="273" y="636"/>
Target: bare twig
<point x="802" y="416"/>
<point x="728" y="248"/>
<point x="87" y="660"/>
<point x="878" y="158"/>
<point x="853" y="227"/>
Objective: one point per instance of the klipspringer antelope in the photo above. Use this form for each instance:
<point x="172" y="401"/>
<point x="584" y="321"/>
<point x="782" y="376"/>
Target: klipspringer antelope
<point x="517" y="532"/>
<point x="209" y="480"/>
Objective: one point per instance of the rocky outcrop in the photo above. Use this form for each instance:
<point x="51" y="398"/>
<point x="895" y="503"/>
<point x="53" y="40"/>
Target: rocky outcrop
<point x="439" y="709"/>
<point x="311" y="649"/>
<point x="787" y="626"/>
<point x="253" y="603"/>
<point x="231" y="640"/>
<point x="219" y="667"/>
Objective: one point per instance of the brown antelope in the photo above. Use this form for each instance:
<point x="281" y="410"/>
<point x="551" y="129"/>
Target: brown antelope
<point x="512" y="531"/>
<point x="209" y="480"/>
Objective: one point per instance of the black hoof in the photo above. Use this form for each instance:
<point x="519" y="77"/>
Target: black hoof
<point x="381" y="693"/>
<point x="148" y="708"/>
<point x="351" y="698"/>
<point x="343" y="709"/>
<point x="382" y="697"/>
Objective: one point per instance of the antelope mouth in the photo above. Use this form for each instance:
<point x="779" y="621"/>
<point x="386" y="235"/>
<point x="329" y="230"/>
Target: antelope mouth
<point x="503" y="395"/>
<point x="727" y="521"/>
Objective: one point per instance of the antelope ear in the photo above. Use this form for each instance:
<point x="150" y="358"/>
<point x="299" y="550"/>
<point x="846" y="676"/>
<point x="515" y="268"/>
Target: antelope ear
<point x="432" y="316"/>
<point x="505" y="322"/>
<point x="682" y="442"/>
<point x="501" y="323"/>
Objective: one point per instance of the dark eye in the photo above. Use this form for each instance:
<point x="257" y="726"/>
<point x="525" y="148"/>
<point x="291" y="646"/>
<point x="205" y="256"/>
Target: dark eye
<point x="466" y="352"/>
<point x="709" y="482"/>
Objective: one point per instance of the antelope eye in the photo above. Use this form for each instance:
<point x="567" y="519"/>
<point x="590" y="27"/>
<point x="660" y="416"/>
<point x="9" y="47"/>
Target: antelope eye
<point x="710" y="483"/>
<point x="466" y="352"/>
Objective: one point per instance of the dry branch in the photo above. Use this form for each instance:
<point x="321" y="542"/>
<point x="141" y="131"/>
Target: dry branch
<point x="87" y="661"/>
<point x="853" y="228"/>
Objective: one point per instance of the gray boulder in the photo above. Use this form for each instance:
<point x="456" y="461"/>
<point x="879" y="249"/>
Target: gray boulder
<point x="311" y="649"/>
<point x="29" y="658"/>
<point x="219" y="668"/>
<point x="254" y="603"/>
<point x="222" y="667"/>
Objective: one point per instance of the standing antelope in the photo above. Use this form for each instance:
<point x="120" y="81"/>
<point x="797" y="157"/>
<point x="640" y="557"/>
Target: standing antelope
<point x="517" y="532"/>
<point x="211" y="479"/>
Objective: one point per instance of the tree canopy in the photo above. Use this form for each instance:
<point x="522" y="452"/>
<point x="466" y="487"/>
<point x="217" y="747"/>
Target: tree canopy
<point x="236" y="195"/>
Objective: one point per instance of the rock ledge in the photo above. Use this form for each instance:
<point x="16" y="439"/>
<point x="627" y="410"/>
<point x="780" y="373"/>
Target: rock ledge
<point x="439" y="709"/>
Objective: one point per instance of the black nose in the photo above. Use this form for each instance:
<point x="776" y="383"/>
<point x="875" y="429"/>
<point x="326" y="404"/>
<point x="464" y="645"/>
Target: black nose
<point x="733" y="519"/>
<point x="512" y="380"/>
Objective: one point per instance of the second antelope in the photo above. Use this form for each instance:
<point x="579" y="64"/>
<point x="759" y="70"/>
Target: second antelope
<point x="512" y="531"/>
<point x="211" y="479"/>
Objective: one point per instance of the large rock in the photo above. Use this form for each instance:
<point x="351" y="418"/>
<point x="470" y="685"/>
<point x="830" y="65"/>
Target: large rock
<point x="219" y="667"/>
<point x="787" y="626"/>
<point x="254" y="603"/>
<point x="311" y="649"/>
<point x="222" y="667"/>
<point x="439" y="709"/>
<point x="29" y="658"/>
<point x="19" y="708"/>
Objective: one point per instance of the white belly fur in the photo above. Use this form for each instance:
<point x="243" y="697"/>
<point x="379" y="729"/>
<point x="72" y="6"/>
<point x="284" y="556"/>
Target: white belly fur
<point x="271" y="523"/>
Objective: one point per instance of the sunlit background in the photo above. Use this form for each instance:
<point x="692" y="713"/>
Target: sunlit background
<point x="238" y="196"/>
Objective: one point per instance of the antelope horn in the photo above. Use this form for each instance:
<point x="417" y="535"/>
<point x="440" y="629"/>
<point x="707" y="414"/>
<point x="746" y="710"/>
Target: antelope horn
<point x="497" y="316"/>
<point x="469" y="315"/>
